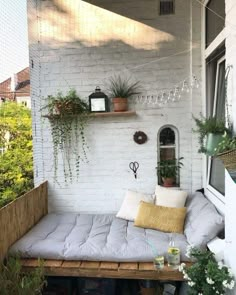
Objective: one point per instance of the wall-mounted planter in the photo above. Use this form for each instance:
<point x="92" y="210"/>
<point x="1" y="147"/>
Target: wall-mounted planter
<point x="212" y="142"/>
<point x="229" y="160"/>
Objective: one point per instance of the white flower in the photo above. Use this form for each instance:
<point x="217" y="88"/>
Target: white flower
<point x="210" y="281"/>
<point x="200" y="294"/>
<point x="182" y="266"/>
<point x="186" y="277"/>
<point x="230" y="272"/>
<point x="189" y="250"/>
<point x="228" y="285"/>
<point x="191" y="283"/>
<point x="220" y="265"/>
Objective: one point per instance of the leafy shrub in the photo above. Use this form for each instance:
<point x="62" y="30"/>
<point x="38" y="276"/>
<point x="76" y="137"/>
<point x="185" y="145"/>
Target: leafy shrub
<point x="14" y="282"/>
<point x="16" y="161"/>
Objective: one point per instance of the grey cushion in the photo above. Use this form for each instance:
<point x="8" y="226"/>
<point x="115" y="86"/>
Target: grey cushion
<point x="71" y="236"/>
<point x="202" y="222"/>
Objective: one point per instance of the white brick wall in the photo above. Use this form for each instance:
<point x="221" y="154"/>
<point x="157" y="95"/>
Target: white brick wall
<point x="81" y="45"/>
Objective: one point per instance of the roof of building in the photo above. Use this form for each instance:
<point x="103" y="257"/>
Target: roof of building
<point x="22" y="87"/>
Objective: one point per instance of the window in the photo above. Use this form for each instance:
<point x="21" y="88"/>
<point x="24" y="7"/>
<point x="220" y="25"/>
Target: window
<point x="167" y="7"/>
<point x="215" y="88"/>
<point x="215" y="19"/>
<point x="167" y="145"/>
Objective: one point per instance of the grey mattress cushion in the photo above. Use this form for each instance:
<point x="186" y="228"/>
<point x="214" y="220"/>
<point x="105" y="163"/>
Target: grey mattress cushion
<point x="202" y="222"/>
<point x="71" y="236"/>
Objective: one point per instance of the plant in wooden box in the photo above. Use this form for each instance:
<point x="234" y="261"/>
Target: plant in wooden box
<point x="120" y="90"/>
<point x="13" y="281"/>
<point x="211" y="131"/>
<point x="168" y="171"/>
<point x="68" y="115"/>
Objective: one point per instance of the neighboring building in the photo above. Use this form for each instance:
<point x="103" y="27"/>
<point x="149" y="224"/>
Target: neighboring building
<point x="17" y="88"/>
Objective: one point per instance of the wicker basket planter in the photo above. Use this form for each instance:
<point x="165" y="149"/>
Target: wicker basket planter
<point x="229" y="159"/>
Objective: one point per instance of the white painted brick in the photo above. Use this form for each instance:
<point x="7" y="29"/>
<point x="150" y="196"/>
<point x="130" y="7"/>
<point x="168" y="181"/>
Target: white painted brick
<point x="84" y="65"/>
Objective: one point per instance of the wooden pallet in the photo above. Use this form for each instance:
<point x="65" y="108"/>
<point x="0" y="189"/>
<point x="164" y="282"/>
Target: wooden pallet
<point x="99" y="269"/>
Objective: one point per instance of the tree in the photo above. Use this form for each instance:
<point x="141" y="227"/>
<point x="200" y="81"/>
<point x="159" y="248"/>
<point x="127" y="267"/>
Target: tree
<point x="16" y="161"/>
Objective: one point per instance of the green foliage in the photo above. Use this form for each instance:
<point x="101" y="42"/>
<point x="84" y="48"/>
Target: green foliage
<point x="14" y="282"/>
<point x="123" y="87"/>
<point x="16" y="162"/>
<point x="206" y="276"/>
<point x="68" y="115"/>
<point x="209" y="125"/>
<point x="169" y="168"/>
<point x="228" y="143"/>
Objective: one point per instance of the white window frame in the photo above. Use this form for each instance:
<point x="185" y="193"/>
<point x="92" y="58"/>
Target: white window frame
<point x="212" y="194"/>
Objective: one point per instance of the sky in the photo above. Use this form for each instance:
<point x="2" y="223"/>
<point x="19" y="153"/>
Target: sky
<point x="13" y="37"/>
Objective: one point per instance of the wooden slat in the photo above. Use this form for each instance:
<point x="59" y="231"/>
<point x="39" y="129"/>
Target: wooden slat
<point x="128" y="266"/>
<point x="90" y="264"/>
<point x="146" y="266"/>
<point x="71" y="264"/>
<point x="109" y="265"/>
<point x="21" y="215"/>
<point x="52" y="263"/>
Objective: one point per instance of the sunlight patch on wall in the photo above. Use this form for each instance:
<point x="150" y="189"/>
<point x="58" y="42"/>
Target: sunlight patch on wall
<point x="78" y="21"/>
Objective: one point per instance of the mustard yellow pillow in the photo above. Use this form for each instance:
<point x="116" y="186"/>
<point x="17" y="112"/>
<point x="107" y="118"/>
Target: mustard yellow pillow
<point x="165" y="219"/>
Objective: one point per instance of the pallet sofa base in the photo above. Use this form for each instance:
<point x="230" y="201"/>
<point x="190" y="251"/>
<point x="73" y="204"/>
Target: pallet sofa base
<point x="99" y="269"/>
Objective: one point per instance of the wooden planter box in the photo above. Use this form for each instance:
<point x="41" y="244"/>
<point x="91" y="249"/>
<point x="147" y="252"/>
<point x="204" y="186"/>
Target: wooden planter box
<point x="21" y="215"/>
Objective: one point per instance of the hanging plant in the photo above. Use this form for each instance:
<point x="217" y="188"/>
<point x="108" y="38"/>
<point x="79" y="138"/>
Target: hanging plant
<point x="68" y="115"/>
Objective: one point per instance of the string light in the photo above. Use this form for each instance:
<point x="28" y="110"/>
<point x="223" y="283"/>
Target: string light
<point x="172" y="95"/>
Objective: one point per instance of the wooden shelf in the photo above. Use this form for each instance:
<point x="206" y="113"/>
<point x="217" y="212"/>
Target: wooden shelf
<point x="114" y="114"/>
<point x="105" y="114"/>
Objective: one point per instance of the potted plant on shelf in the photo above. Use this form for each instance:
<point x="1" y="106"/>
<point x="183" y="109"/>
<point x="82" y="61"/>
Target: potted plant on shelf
<point x="120" y="90"/>
<point x="211" y="131"/>
<point x="68" y="115"/>
<point x="168" y="171"/>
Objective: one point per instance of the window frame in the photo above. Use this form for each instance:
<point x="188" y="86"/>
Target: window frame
<point x="212" y="194"/>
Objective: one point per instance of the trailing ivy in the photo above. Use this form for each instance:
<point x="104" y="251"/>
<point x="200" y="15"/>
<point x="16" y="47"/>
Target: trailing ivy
<point x="68" y="115"/>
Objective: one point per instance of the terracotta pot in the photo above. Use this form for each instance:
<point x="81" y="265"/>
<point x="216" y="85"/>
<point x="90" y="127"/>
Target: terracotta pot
<point x="168" y="181"/>
<point x="120" y="104"/>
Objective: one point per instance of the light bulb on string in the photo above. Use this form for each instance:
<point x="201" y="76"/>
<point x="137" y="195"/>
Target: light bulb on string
<point x="185" y="86"/>
<point x="196" y="82"/>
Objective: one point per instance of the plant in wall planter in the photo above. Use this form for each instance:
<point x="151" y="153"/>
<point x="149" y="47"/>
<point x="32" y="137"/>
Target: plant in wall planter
<point x="211" y="131"/>
<point x="120" y="90"/>
<point x="168" y="170"/>
<point x="226" y="151"/>
<point x="68" y="115"/>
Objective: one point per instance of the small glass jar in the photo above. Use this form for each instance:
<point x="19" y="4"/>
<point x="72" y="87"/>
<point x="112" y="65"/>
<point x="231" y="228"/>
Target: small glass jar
<point x="159" y="262"/>
<point x="173" y="257"/>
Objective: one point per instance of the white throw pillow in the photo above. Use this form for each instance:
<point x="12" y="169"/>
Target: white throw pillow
<point x="170" y="197"/>
<point x="130" y="205"/>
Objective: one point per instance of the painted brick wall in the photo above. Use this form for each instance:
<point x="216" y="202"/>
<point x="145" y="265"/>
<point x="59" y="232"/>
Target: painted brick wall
<point x="79" y="44"/>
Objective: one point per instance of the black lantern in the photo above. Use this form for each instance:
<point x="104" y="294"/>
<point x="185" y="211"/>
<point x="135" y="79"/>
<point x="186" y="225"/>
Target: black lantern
<point x="98" y="101"/>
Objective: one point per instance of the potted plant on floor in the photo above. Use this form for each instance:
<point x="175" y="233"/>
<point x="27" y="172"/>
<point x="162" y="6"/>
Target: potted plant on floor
<point x="68" y="115"/>
<point x="16" y="282"/>
<point x="206" y="275"/>
<point x="211" y="131"/>
<point x="168" y="171"/>
<point x="120" y="90"/>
